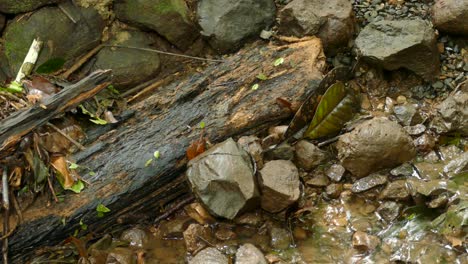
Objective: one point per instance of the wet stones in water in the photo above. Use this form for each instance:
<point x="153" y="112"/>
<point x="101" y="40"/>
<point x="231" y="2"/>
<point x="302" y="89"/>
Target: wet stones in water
<point x="224" y="232"/>
<point x="405" y="113"/>
<point x="457" y="165"/>
<point x="195" y="237"/>
<point x="319" y="179"/>
<point x="368" y="183"/>
<point x="403" y="170"/>
<point x="425" y="143"/>
<point x="169" y="18"/>
<point x="129" y="66"/>
<point x="281" y="152"/>
<point x="135" y="237"/>
<point x="439" y="201"/>
<point x="279" y="185"/>
<point x="331" y="20"/>
<point x="280" y="238"/>
<point x="409" y="44"/>
<point x="396" y="190"/>
<point x="427" y="188"/>
<point x="451" y="16"/>
<point x="224" y="175"/>
<point x="15" y="6"/>
<point x="227" y="23"/>
<point x="365" y="242"/>
<point x="120" y="255"/>
<point x="334" y="190"/>
<point x="389" y="211"/>
<point x="336" y="172"/>
<point x="308" y="156"/>
<point x="416" y="129"/>
<point x="252" y="219"/>
<point x="249" y="254"/>
<point x="253" y="146"/>
<point x="452" y="114"/>
<point x="375" y="144"/>
<point x="209" y="256"/>
<point x="70" y="40"/>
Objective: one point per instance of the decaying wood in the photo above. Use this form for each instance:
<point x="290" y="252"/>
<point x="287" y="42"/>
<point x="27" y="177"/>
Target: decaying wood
<point x="221" y="96"/>
<point x="21" y="123"/>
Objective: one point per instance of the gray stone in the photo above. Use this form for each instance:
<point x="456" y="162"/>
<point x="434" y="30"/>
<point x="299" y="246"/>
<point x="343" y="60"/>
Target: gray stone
<point x="23" y="6"/>
<point x="405" y="113"/>
<point x="249" y="254"/>
<point x="283" y="151"/>
<point x="334" y="190"/>
<point x="170" y="18"/>
<point x="209" y="256"/>
<point x="403" y="170"/>
<point x="135" y="236"/>
<point x="308" y="156"/>
<point x="457" y="165"/>
<point x="336" y="172"/>
<point x="396" y="190"/>
<point x="253" y="146"/>
<point x="222" y="176"/>
<point x="373" y="145"/>
<point x="425" y="142"/>
<point x="332" y="20"/>
<point x="451" y="16"/>
<point x="416" y="129"/>
<point x="227" y="23"/>
<point x="196" y="236"/>
<point x="452" y="114"/>
<point x="67" y="41"/>
<point x="129" y="66"/>
<point x="279" y="185"/>
<point x="319" y="179"/>
<point x="368" y="183"/>
<point x="389" y="211"/>
<point x="409" y="44"/>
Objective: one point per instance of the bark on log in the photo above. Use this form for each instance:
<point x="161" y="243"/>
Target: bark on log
<point x="21" y="123"/>
<point x="221" y="96"/>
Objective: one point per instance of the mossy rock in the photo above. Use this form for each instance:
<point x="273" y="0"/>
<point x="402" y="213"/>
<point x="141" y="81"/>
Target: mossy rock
<point x="170" y="18"/>
<point x="22" y="6"/>
<point x="62" y="38"/>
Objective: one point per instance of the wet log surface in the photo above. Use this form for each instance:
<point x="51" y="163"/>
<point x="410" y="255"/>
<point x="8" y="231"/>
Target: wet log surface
<point x="221" y="96"/>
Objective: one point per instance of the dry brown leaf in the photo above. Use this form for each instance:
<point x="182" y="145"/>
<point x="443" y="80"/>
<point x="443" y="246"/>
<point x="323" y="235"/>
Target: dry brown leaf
<point x="60" y="165"/>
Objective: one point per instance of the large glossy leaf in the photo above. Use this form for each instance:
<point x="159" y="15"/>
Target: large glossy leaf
<point x="305" y="113"/>
<point x="337" y="106"/>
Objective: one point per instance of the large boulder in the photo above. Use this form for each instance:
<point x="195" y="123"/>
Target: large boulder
<point x="409" y="44"/>
<point x="63" y="39"/>
<point x="223" y="179"/>
<point x="227" y="23"/>
<point x="279" y="185"/>
<point x="373" y="145"/>
<point x="22" y="6"/>
<point x="129" y="66"/>
<point x="170" y="18"/>
<point x="451" y="16"/>
<point x="332" y="20"/>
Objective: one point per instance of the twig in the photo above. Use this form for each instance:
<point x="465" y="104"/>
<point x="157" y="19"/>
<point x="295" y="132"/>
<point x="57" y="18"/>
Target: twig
<point x="51" y="187"/>
<point x="146" y="90"/>
<point x="328" y="141"/>
<point x="76" y="143"/>
<point x="17" y="208"/>
<point x="174" y="209"/>
<point x="6" y="214"/>
<point x="81" y="61"/>
<point x="67" y="13"/>
<point x="29" y="60"/>
<point x="164" y="52"/>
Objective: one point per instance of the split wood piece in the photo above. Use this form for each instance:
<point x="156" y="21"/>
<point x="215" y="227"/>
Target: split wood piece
<point x="220" y="96"/>
<point x="13" y="128"/>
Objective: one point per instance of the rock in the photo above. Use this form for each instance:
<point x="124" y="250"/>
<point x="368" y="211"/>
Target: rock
<point x="308" y="156"/>
<point x="253" y="219"/>
<point x="332" y="20"/>
<point x="209" y="256"/>
<point x="249" y="254"/>
<point x="66" y="42"/>
<point x="279" y="185"/>
<point x="452" y="114"/>
<point x="15" y="6"/>
<point x="175" y="227"/>
<point x="224" y="232"/>
<point x="373" y="145"/>
<point x="227" y="23"/>
<point x="192" y="239"/>
<point x="450" y="16"/>
<point x="409" y="44"/>
<point x="389" y="211"/>
<point x="280" y="238"/>
<point x="281" y="152"/>
<point x="135" y="236"/>
<point x="129" y="66"/>
<point x="427" y="188"/>
<point x="253" y="146"/>
<point x="405" y="170"/>
<point x="425" y="143"/>
<point x="198" y="213"/>
<point x="368" y="183"/>
<point x="170" y="18"/>
<point x="120" y="255"/>
<point x="319" y="179"/>
<point x="364" y="242"/>
<point x="222" y="176"/>
<point x="416" y="129"/>
<point x="336" y="172"/>
<point x="278" y="130"/>
<point x="438" y="202"/>
<point x="457" y="165"/>
<point x="396" y="190"/>
<point x="334" y="190"/>
<point x="405" y="113"/>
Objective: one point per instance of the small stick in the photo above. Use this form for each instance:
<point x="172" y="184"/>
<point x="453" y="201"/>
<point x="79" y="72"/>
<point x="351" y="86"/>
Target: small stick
<point x="76" y="143"/>
<point x="67" y="14"/>
<point x="146" y="90"/>
<point x="81" y="61"/>
<point x="29" y="60"/>
<point x="164" y="52"/>
<point x="328" y="141"/>
<point x="51" y="187"/>
<point x="6" y="214"/>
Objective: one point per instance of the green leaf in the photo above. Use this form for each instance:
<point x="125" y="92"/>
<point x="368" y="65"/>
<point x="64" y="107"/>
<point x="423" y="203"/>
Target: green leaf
<point x="63" y="220"/>
<point x="83" y="225"/>
<point x="101" y="210"/>
<point x="77" y="187"/>
<point x="255" y="86"/>
<point x="14" y="87"/>
<point x="156" y="154"/>
<point x="262" y="77"/>
<point x="92" y="173"/>
<point x="278" y="62"/>
<point x="112" y="89"/>
<point x="86" y="112"/>
<point x="148" y="162"/>
<point x="73" y="166"/>
<point x="51" y="65"/>
<point x="337" y="106"/>
<point x="98" y="121"/>
<point x="202" y="124"/>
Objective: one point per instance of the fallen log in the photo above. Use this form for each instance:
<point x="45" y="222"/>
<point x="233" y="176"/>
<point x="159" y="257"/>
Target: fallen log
<point x="13" y="128"/>
<point x="221" y="96"/>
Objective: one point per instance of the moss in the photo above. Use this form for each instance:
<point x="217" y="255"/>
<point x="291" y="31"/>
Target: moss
<point x="167" y="6"/>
